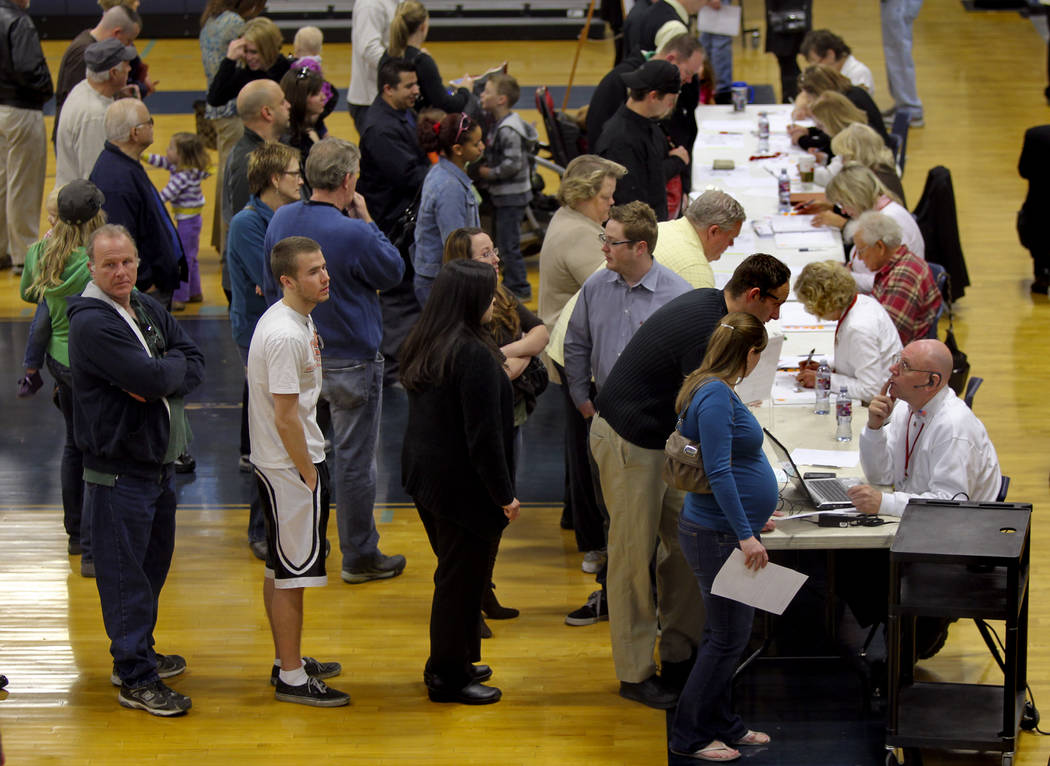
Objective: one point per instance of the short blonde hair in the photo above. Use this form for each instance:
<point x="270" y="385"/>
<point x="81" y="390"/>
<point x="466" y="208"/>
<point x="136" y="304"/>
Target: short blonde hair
<point x="825" y="288"/>
<point x="266" y="36"/>
<point x="835" y="112"/>
<point x="308" y="41"/>
<point x="584" y="176"/>
<point x="855" y="186"/>
<point x="860" y="143"/>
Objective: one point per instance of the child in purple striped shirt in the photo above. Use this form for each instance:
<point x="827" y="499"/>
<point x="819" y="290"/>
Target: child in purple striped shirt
<point x="187" y="160"/>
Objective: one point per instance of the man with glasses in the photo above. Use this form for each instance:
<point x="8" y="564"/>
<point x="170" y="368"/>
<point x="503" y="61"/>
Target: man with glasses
<point x="932" y="446"/>
<point x="636" y="413"/>
<point x="133" y="202"/>
<point x="132" y="366"/>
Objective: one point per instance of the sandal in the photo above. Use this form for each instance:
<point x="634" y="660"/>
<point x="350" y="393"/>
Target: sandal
<point x="753" y="738"/>
<point x="715" y="751"/>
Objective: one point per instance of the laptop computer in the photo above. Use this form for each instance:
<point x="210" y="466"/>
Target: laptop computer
<point x="825" y="494"/>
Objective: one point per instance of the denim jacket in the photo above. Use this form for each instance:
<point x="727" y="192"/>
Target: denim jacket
<point x="448" y="202"/>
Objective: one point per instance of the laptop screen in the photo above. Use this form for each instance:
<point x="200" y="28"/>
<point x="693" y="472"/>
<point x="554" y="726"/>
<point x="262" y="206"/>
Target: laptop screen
<point x="787" y="463"/>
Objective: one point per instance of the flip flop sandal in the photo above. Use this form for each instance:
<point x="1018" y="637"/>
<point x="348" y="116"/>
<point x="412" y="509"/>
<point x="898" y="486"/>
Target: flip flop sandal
<point x="715" y="752"/>
<point x="753" y="738"/>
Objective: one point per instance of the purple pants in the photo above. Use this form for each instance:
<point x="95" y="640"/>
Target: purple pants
<point x="189" y="234"/>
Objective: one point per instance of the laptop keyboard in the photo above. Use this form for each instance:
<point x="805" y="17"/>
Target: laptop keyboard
<point x="828" y="490"/>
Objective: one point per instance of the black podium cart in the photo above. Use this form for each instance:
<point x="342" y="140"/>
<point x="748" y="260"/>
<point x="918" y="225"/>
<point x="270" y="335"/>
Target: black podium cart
<point x="957" y="560"/>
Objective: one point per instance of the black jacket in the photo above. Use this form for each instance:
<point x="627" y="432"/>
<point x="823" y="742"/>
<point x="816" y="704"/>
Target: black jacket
<point x="638" y="144"/>
<point x="230" y="78"/>
<point x="643" y="34"/>
<point x="116" y="432"/>
<point x="25" y="80"/>
<point x="235" y="189"/>
<point x="939" y="225"/>
<point x="133" y="202"/>
<point x="456" y="455"/>
<point x="1034" y="166"/>
<point x="432" y="90"/>
<point x="393" y="165"/>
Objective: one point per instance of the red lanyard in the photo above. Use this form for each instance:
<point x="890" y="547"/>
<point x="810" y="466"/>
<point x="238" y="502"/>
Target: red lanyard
<point x="909" y="449"/>
<point x="843" y="317"/>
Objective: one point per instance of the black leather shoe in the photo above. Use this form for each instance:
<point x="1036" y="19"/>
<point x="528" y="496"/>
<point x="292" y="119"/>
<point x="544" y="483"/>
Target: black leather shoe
<point x="185" y="463"/>
<point x="480" y="673"/>
<point x="652" y="692"/>
<point x="471" y="694"/>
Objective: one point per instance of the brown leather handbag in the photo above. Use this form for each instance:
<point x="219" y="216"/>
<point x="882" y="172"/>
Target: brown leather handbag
<point x="683" y="464"/>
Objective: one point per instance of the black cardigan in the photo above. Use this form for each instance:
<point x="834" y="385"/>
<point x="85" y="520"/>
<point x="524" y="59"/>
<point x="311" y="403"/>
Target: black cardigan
<point x="231" y="78"/>
<point x="456" y="455"/>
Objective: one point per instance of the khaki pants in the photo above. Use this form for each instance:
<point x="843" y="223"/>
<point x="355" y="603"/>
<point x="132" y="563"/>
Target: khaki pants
<point x="643" y="511"/>
<point x="23" y="159"/>
<point x="228" y="131"/>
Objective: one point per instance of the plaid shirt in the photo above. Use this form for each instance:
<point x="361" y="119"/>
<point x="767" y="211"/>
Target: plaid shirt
<point x="906" y="289"/>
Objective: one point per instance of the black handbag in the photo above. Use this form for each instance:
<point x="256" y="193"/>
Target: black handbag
<point x="403" y="232"/>
<point x="531" y="383"/>
<point x="788" y="22"/>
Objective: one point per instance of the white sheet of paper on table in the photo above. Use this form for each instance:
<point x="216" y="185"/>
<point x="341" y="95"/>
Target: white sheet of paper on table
<point x="826" y="458"/>
<point x="735" y="140"/>
<point x="792" y="314"/>
<point x="787" y="391"/>
<point x="758" y="386"/>
<point x="730" y="125"/>
<point x="770" y="588"/>
<point x="724" y="21"/>
<point x="744" y="243"/>
<point x="805" y="240"/>
<point x="783" y="224"/>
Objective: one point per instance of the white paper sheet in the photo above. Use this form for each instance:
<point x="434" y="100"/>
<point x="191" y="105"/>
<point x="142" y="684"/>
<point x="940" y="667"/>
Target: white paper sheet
<point x="724" y="21"/>
<point x="787" y="223"/>
<point x="826" y="458"/>
<point x="757" y="386"/>
<point x="787" y="391"/>
<point x="792" y="314"/>
<point x="771" y="588"/>
<point x="815" y="239"/>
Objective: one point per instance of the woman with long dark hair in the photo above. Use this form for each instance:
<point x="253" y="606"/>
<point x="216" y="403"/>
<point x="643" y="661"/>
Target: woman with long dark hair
<point x="448" y="200"/>
<point x="456" y="465"/>
<point x="742" y="499"/>
<point x="304" y="89"/>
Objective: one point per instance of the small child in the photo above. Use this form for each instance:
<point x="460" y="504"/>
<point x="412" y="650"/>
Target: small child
<point x="306" y="52"/>
<point x="187" y="160"/>
<point x="507" y="172"/>
<point x="40" y="327"/>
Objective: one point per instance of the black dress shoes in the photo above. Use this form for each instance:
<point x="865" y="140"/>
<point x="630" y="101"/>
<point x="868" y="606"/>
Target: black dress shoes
<point x="480" y="673"/>
<point x="471" y="694"/>
<point x="653" y="692"/>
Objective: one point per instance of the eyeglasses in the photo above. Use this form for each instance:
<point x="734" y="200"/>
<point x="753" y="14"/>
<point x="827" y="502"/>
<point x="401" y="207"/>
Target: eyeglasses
<point x="905" y="368"/>
<point x="147" y="122"/>
<point x="775" y="299"/>
<point x="604" y="239"/>
<point x="465" y="124"/>
<point x="291" y="173"/>
<point x="488" y="254"/>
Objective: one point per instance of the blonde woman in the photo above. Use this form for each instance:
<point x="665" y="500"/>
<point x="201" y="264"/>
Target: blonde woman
<point x="859" y="143"/>
<point x="56" y="268"/>
<point x="742" y="500"/>
<point x="866" y="340"/>
<point x="255" y="55"/>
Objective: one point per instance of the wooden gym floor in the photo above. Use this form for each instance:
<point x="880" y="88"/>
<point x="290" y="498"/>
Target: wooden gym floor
<point x="981" y="77"/>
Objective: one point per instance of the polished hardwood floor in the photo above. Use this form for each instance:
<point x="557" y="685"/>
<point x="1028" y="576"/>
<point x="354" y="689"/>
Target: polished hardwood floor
<point x="981" y="78"/>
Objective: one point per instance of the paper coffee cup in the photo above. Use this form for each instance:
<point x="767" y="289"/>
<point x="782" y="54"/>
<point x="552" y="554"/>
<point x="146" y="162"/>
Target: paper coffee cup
<point x="805" y="168"/>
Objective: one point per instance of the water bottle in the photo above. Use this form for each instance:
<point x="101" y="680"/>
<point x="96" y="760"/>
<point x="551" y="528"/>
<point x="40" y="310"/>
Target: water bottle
<point x="763" y="133"/>
<point x="822" y="387"/>
<point x="844" y="416"/>
<point x="784" y="192"/>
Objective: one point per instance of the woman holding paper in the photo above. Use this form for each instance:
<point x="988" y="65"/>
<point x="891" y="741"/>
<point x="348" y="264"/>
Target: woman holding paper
<point x="713" y="526"/>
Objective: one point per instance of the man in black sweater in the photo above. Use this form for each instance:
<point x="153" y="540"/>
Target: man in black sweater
<point x="636" y="412"/>
<point x="633" y="139"/>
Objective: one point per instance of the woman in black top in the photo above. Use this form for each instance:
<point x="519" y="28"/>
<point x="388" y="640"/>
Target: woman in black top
<point x="521" y="336"/>
<point x="255" y="55"/>
<point x="456" y="465"/>
<point x="408" y="32"/>
<point x="819" y="78"/>
<point x="304" y="90"/>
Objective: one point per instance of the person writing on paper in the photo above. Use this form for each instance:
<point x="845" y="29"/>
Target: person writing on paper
<point x="743" y="497"/>
<point x="932" y="446"/>
<point x="866" y="341"/>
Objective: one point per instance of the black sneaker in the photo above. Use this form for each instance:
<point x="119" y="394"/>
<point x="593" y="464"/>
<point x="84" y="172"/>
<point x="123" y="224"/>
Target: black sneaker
<point x="313" y="668"/>
<point x="653" y="692"/>
<point x="380" y="568"/>
<point x="314" y="692"/>
<point x="155" y="698"/>
<point x="168" y="666"/>
<point x="595" y="610"/>
<point x="185" y="463"/>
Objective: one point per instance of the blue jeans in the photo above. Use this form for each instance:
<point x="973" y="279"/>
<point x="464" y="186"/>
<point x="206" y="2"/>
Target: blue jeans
<point x="508" y="240"/>
<point x="354" y="392"/>
<point x="133" y="536"/>
<point x="719" y="50"/>
<point x="75" y="517"/>
<point x="705" y="707"/>
<point x="897" y="19"/>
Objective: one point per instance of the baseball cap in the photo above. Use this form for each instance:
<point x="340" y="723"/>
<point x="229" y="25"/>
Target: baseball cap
<point x="79" y="201"/>
<point x="103" y="56"/>
<point x="654" y="75"/>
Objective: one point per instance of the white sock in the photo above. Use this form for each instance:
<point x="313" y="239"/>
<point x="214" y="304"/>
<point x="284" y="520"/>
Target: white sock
<point x="295" y="677"/>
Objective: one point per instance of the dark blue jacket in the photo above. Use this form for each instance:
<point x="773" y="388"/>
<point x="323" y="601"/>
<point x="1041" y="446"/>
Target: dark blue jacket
<point x="133" y="201"/>
<point x="117" y="433"/>
<point x="393" y="165"/>
<point x="360" y="261"/>
<point x="247" y="265"/>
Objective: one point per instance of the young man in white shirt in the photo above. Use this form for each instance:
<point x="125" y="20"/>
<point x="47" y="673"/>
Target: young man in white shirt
<point x="284" y="380"/>
<point x="822" y="46"/>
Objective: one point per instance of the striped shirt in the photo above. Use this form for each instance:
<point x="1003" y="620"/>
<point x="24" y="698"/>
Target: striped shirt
<point x="906" y="289"/>
<point x="183" y="190"/>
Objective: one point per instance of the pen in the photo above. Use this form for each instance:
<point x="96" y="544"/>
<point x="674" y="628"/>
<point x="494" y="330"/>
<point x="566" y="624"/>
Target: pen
<point x="806" y="249"/>
<point x="730" y="133"/>
<point x="766" y="168"/>
<point x="809" y="358"/>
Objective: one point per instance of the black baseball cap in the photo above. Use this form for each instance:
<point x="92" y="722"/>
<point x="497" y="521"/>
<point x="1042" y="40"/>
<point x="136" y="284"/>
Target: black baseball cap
<point x="79" y="201"/>
<point x="656" y="74"/>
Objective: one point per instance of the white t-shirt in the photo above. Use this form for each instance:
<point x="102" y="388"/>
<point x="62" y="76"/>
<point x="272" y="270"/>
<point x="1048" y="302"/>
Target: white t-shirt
<point x="858" y="74"/>
<point x="284" y="358"/>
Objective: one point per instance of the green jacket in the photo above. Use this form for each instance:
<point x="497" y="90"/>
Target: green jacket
<point x="74" y="279"/>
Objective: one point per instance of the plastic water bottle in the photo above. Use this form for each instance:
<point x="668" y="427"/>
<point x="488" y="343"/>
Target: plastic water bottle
<point x="784" y="192"/>
<point x="844" y="416"/>
<point x="763" y="133"/>
<point x="822" y="387"/>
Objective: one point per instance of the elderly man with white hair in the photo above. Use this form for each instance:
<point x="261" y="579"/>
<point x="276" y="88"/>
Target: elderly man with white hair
<point x="82" y="133"/>
<point x="687" y="245"/>
<point x="133" y="202"/>
<point x="904" y="284"/>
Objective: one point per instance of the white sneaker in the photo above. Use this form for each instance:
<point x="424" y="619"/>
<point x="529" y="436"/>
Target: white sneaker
<point x="593" y="561"/>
